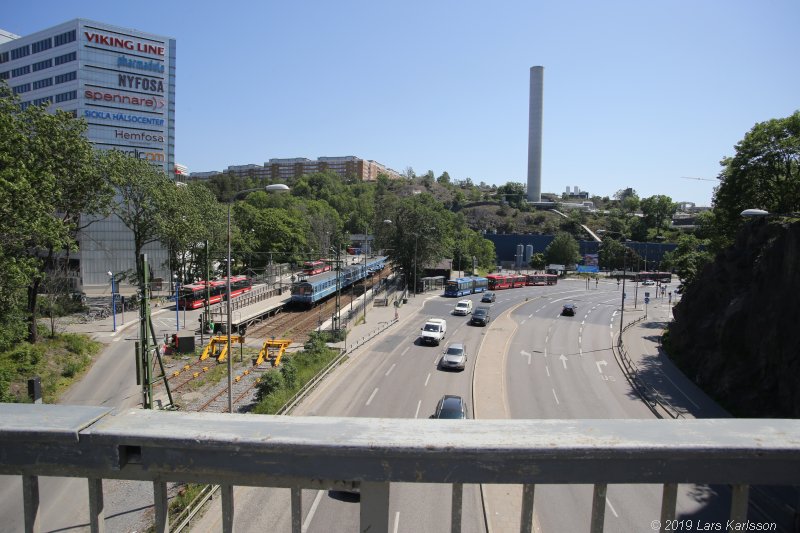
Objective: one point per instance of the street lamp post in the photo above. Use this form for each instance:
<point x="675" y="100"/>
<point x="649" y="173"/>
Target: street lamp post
<point x="278" y="187"/>
<point x="113" y="303"/>
<point x="177" y="308"/>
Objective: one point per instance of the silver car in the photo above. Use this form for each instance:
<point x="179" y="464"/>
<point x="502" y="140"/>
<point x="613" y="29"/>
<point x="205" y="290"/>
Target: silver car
<point x="454" y="357"/>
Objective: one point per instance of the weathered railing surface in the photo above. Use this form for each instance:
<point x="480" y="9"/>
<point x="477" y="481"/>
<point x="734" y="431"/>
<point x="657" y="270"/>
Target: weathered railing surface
<point x="320" y="452"/>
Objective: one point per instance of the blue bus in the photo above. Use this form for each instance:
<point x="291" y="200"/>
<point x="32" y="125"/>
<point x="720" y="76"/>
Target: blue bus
<point x="462" y="286"/>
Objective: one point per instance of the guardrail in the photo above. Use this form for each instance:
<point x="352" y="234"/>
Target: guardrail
<point x="372" y="454"/>
<point x="647" y="392"/>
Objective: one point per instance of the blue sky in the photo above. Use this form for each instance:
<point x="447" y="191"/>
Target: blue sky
<point x="637" y="93"/>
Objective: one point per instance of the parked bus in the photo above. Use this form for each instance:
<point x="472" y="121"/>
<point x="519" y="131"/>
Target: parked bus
<point x="541" y="279"/>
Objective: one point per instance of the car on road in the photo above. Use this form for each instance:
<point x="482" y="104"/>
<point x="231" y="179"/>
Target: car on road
<point x="463" y="308"/>
<point x="454" y="357"/>
<point x="480" y="317"/>
<point x="568" y="310"/>
<point x="451" y="406"/>
<point x="488" y="297"/>
<point x="648" y="282"/>
<point x="433" y="331"/>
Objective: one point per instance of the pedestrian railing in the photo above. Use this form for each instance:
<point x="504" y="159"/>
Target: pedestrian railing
<point x="372" y="454"/>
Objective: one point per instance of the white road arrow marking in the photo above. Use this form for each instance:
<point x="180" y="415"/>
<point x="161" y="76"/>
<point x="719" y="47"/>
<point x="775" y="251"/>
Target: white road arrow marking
<point x="599" y="364"/>
<point x="563" y="360"/>
<point x="523" y="352"/>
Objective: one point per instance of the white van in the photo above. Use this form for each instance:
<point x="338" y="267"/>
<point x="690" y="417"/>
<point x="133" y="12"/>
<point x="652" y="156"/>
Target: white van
<point x="463" y="308"/>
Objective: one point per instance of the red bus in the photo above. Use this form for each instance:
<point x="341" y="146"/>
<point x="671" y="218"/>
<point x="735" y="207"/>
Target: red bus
<point x="311" y="268"/>
<point x="663" y="277"/>
<point x="193" y="296"/>
<point x="541" y="279"/>
<point x="500" y="281"/>
<point x="517" y="280"/>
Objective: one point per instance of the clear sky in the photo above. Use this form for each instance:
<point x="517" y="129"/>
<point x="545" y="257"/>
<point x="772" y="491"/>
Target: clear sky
<point x="637" y="93"/>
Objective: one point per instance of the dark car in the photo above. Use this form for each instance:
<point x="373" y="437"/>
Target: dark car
<point x="454" y="357"/>
<point x="489" y="297"/>
<point x="451" y="407"/>
<point x="568" y="310"/>
<point x="480" y="316"/>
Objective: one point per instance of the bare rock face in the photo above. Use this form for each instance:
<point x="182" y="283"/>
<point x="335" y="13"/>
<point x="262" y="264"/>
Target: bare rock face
<point x="737" y="329"/>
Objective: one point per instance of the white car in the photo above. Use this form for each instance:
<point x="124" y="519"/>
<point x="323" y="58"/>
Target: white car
<point x="464" y="307"/>
<point x="648" y="282"/>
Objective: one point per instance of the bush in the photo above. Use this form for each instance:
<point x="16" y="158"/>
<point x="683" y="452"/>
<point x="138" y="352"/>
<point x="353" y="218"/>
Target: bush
<point x="289" y="372"/>
<point x="270" y="383"/>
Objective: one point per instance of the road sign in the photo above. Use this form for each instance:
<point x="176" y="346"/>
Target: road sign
<point x="647" y="294"/>
<point x="646" y="300"/>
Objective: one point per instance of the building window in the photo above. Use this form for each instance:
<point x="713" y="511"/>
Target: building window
<point x="41" y="46"/>
<point x="63" y="78"/>
<point x="41" y="65"/>
<point x="63" y="97"/>
<point x="66" y="58"/>
<point x="24" y="105"/>
<point x="64" y="38"/>
<point x="19" y="89"/>
<point x="22" y="51"/>
<point x="5" y="75"/>
<point x="46" y="100"/>
<point x="21" y="71"/>
<point x="46" y="82"/>
<point x="3" y="58"/>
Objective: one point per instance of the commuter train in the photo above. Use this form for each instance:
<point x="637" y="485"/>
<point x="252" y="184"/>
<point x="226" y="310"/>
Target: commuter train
<point x="463" y="286"/>
<point x="316" y="288"/>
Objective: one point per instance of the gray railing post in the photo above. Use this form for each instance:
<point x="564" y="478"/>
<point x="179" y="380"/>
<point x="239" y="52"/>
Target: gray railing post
<point x="30" y="502"/>
<point x="161" y="504"/>
<point x="526" y="516"/>
<point x="226" y="489"/>
<point x="297" y="510"/>
<point x="739" y="498"/>
<point x="455" y="508"/>
<point x="598" y="508"/>
<point x="669" y="499"/>
<point x="97" y="517"/>
<point x="374" y="507"/>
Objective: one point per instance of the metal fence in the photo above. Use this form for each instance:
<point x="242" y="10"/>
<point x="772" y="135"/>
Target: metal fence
<point x="373" y="454"/>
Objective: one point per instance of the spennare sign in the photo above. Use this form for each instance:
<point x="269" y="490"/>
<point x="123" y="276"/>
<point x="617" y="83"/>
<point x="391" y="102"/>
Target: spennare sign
<point x="126" y="44"/>
<point x="151" y="102"/>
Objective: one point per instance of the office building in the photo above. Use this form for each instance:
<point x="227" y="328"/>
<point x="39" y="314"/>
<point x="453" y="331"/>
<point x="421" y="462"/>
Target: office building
<point x="280" y="170"/>
<point x="122" y="82"/>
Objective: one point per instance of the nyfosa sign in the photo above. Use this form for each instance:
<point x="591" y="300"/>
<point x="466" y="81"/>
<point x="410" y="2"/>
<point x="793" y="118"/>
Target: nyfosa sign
<point x="141" y="83"/>
<point x="124" y="43"/>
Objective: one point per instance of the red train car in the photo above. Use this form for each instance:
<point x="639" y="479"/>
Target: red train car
<point x="193" y="296"/>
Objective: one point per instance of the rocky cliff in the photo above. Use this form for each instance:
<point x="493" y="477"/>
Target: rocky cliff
<point x="737" y="329"/>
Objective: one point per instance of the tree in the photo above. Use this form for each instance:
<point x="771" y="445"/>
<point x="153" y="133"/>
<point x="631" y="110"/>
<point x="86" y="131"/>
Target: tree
<point x="614" y="255"/>
<point x="764" y="173"/>
<point x="687" y="259"/>
<point x="538" y="261"/>
<point x="444" y="179"/>
<point x="143" y="202"/>
<point x="562" y="250"/>
<point x="657" y="210"/>
<point x="513" y="193"/>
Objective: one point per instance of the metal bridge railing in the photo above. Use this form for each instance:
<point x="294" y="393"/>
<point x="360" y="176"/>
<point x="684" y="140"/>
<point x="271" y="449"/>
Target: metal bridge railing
<point x="373" y="454"/>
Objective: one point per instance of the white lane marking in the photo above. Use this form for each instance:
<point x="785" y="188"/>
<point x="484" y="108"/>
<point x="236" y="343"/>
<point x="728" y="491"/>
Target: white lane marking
<point x="404" y="351"/>
<point x="530" y="316"/>
<point x="523" y="321"/>
<point x="310" y="516"/>
<point x="427" y="379"/>
<point x="419" y="404"/>
<point x="556" y="397"/>
<point x="547" y="338"/>
<point x="523" y="352"/>
<point x="390" y="370"/>
<point x="117" y="339"/>
<point x="583" y="322"/>
<point x="579" y="339"/>
<point x="547" y="369"/>
<point x="371" y="396"/>
<point x="614" y="314"/>
<point x="397" y="521"/>
<point x="612" y="508"/>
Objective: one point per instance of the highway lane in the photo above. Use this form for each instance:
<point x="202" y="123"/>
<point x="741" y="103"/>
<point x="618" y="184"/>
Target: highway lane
<point x="393" y="377"/>
<point x="571" y="373"/>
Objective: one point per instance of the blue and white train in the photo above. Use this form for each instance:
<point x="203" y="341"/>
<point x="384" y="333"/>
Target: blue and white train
<point x="316" y="288"/>
<point x="463" y="286"/>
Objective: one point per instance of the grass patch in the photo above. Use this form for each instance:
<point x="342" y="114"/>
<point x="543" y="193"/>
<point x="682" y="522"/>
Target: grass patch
<point x="58" y="361"/>
<point x="277" y="387"/>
